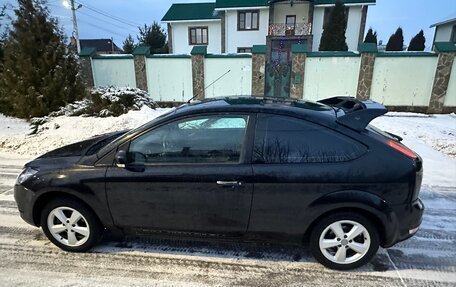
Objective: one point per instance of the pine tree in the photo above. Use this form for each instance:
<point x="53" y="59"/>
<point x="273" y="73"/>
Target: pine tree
<point x="396" y="41"/>
<point x="40" y="73"/>
<point x="3" y="33"/>
<point x="371" y="37"/>
<point x="333" y="37"/>
<point x="154" y="37"/>
<point x="418" y="43"/>
<point x="129" y="45"/>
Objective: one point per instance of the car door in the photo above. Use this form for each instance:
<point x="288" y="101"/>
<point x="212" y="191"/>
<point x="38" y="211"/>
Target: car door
<point x="294" y="163"/>
<point x="186" y="175"/>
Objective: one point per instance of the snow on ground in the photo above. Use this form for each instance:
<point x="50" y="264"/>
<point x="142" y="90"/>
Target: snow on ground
<point x="431" y="136"/>
<point x="15" y="141"/>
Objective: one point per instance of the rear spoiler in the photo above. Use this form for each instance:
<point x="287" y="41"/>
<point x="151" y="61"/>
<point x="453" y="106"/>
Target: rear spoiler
<point x="358" y="114"/>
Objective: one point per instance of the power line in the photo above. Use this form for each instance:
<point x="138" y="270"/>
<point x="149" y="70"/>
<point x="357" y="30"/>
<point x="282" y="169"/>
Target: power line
<point x="103" y="29"/>
<point x="110" y="23"/>
<point x="113" y="17"/>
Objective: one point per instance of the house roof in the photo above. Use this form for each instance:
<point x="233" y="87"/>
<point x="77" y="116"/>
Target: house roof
<point x="220" y="4"/>
<point x="190" y="11"/>
<point x="449" y="19"/>
<point x="99" y="44"/>
<point x="330" y="2"/>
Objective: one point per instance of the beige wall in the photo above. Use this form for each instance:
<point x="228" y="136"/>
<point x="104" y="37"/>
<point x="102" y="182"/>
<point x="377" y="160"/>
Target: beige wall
<point x="282" y="9"/>
<point x="169" y="79"/>
<point x="450" y="98"/>
<point x="114" y="72"/>
<point x="326" y="77"/>
<point x="403" y="81"/>
<point x="237" y="82"/>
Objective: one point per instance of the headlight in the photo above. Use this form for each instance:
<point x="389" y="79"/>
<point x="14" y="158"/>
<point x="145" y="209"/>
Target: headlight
<point x="25" y="174"/>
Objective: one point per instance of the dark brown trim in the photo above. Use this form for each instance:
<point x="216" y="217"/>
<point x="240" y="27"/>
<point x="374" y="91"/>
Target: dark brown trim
<point x="170" y="38"/>
<point x="362" y="29"/>
<point x="290" y="32"/>
<point x="190" y="43"/>
<point x="223" y="31"/>
<point x="244" y="12"/>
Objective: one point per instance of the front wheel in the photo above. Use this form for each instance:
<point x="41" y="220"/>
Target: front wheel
<point x="344" y="241"/>
<point x="70" y="225"/>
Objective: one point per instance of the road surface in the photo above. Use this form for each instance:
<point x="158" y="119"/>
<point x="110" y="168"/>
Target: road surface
<point x="27" y="258"/>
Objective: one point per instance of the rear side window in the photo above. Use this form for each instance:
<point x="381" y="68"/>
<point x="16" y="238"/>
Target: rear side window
<point x="281" y="139"/>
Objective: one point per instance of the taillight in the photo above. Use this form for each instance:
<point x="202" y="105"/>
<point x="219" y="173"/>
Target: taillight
<point x="402" y="149"/>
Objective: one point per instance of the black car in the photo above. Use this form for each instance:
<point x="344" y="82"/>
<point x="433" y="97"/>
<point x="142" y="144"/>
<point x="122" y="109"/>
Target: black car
<point x="244" y="168"/>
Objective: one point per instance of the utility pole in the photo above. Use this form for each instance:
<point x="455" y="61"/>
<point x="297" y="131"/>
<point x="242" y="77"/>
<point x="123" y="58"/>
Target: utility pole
<point x="75" y="25"/>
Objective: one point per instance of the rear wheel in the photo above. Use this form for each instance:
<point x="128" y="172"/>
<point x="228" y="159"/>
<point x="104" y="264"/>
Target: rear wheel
<point x="70" y="225"/>
<point x="344" y="241"/>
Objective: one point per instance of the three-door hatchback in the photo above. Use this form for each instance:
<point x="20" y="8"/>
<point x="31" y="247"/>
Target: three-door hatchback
<point x="244" y="168"/>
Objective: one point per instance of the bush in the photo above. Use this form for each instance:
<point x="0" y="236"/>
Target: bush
<point x="105" y="102"/>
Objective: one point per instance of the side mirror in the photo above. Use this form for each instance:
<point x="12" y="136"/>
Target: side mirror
<point x="121" y="158"/>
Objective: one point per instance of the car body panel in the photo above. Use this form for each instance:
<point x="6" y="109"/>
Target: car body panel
<point x="273" y="201"/>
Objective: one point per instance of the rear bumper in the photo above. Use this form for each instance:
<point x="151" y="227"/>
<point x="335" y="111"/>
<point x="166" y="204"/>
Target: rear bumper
<point x="408" y="221"/>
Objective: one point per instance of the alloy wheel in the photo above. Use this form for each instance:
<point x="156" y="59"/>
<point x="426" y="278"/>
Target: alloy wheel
<point x="344" y="242"/>
<point x="68" y="226"/>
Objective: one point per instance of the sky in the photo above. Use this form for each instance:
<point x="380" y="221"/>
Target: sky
<point x="121" y="17"/>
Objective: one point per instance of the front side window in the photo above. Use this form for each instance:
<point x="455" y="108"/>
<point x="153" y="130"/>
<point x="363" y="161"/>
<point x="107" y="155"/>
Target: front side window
<point x="248" y="20"/>
<point x="198" y="36"/>
<point x="280" y="139"/>
<point x="208" y="139"/>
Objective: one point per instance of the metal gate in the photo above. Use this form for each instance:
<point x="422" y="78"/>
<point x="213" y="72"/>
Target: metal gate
<point x="277" y="80"/>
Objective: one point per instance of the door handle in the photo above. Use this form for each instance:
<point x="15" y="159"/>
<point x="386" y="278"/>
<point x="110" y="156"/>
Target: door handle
<point x="229" y="183"/>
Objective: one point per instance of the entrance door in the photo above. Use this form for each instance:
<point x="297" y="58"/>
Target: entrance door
<point x="278" y="69"/>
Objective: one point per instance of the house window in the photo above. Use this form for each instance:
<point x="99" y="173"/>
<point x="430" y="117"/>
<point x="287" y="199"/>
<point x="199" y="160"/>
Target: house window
<point x="198" y="36"/>
<point x="244" y="50"/>
<point x="248" y="20"/>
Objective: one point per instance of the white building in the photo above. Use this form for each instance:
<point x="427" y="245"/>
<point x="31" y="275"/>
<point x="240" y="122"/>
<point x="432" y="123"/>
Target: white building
<point x="445" y="30"/>
<point x="234" y="26"/>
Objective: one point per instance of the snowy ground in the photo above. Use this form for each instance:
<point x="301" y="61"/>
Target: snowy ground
<point x="427" y="259"/>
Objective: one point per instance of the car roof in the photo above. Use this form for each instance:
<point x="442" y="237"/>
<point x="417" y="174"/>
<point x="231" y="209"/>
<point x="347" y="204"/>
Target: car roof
<point x="260" y="104"/>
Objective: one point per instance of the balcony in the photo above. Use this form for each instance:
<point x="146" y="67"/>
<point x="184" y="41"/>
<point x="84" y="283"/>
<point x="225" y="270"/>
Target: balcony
<point x="283" y="29"/>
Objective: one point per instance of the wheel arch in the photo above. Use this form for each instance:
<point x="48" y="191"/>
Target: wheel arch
<point x="45" y="198"/>
<point x="366" y="204"/>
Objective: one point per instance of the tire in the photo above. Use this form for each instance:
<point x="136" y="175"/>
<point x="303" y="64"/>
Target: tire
<point x="71" y="225"/>
<point x="334" y="242"/>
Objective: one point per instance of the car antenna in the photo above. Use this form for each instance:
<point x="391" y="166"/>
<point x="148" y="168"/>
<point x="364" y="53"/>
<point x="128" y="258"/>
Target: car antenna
<point x="216" y="80"/>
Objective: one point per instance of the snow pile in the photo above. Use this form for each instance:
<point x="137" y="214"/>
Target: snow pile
<point x="437" y="131"/>
<point x="104" y="102"/>
<point x="63" y="130"/>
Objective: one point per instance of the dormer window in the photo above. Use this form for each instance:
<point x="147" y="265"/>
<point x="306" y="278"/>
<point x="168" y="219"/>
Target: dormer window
<point x="248" y="20"/>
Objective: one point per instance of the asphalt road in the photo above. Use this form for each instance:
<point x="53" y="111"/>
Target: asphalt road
<point x="28" y="259"/>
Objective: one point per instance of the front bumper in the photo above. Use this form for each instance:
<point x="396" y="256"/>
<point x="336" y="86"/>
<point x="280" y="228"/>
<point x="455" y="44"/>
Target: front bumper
<point x="25" y="199"/>
<point x="408" y="221"/>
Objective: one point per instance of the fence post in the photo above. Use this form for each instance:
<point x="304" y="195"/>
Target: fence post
<point x="198" y="53"/>
<point x="298" y="64"/>
<point x="447" y="52"/>
<point x="139" y="58"/>
<point x="85" y="58"/>
<point x="258" y="69"/>
<point x="366" y="71"/>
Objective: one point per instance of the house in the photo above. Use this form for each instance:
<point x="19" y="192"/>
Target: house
<point x="234" y="26"/>
<point x="445" y="30"/>
<point x="103" y="46"/>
